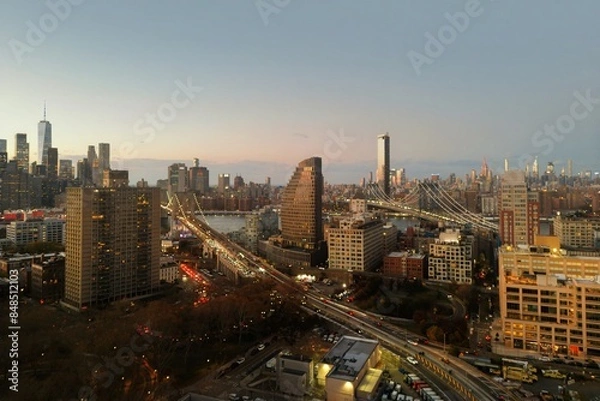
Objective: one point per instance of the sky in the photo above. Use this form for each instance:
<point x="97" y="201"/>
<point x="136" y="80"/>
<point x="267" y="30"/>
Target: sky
<point x="254" y="87"/>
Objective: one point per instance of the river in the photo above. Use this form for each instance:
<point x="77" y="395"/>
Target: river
<point x="227" y="224"/>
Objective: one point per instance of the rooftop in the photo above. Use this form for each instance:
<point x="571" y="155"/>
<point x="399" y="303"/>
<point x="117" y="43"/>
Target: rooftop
<point x="349" y="356"/>
<point x="406" y="255"/>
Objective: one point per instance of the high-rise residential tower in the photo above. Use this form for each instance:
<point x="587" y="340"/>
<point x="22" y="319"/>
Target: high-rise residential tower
<point x="383" y="163"/>
<point x="113" y="244"/>
<point x="518" y="209"/>
<point x="44" y="140"/>
<point x="22" y="151"/>
<point x="301" y="206"/>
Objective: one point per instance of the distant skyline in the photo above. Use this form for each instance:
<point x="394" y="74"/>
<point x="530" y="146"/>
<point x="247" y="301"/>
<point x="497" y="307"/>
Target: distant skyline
<point x="235" y="87"/>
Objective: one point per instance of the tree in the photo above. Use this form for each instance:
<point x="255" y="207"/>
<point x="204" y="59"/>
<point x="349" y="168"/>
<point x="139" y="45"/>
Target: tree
<point x="435" y="333"/>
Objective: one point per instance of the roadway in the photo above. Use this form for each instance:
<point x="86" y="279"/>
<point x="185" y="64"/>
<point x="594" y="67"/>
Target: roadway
<point x="465" y="379"/>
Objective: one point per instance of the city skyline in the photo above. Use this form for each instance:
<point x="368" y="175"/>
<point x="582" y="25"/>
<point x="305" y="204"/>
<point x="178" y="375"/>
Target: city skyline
<point x="229" y="75"/>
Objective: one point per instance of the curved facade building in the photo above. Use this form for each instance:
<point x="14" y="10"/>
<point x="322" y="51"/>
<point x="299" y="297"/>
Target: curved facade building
<point x="301" y="207"/>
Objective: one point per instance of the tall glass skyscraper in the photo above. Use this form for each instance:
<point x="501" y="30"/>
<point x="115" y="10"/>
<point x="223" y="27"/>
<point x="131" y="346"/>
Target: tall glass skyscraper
<point x="44" y="140"/>
<point x="302" y="206"/>
<point x="383" y="163"/>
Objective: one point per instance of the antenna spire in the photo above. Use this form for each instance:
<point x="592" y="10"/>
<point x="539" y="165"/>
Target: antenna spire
<point x="44" y="110"/>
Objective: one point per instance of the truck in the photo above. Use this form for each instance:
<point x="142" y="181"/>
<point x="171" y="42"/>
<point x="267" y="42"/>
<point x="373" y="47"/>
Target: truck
<point x="410" y="378"/>
<point x="518" y="374"/>
<point x="429" y="395"/>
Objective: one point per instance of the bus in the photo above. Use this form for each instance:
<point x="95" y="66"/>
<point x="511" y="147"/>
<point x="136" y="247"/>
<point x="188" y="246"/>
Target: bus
<point x="526" y="366"/>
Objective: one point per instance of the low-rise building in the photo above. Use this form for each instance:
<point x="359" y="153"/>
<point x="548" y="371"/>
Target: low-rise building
<point x="294" y="374"/>
<point x="169" y="273"/>
<point x="30" y="231"/>
<point x="348" y="370"/>
<point x="48" y="279"/>
<point x="406" y="265"/>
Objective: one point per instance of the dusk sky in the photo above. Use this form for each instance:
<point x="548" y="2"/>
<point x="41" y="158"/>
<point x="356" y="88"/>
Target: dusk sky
<point x="287" y="80"/>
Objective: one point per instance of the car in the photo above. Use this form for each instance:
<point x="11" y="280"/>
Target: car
<point x="234" y="397"/>
<point x="413" y="342"/>
<point x="545" y="358"/>
<point x="412" y="360"/>
<point x="260" y="347"/>
<point x="240" y="360"/>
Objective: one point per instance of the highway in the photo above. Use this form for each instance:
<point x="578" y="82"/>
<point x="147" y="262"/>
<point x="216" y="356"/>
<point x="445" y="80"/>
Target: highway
<point x="465" y="379"/>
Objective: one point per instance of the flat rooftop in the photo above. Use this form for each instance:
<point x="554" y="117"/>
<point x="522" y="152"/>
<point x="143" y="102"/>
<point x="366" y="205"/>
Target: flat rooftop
<point x="404" y="254"/>
<point x="348" y="356"/>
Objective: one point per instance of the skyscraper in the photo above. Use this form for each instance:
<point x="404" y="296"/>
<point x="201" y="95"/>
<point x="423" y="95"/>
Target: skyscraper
<point x="383" y="163"/>
<point x="518" y="209"/>
<point x="52" y="166"/>
<point x="223" y="183"/>
<point x="113" y="244"/>
<point x="93" y="175"/>
<point x="22" y="151"/>
<point x="103" y="157"/>
<point x="198" y="179"/>
<point x="301" y="206"/>
<point x="177" y="178"/>
<point x="44" y="140"/>
<point x="2" y="145"/>
<point x="65" y="169"/>
<point x="535" y="169"/>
